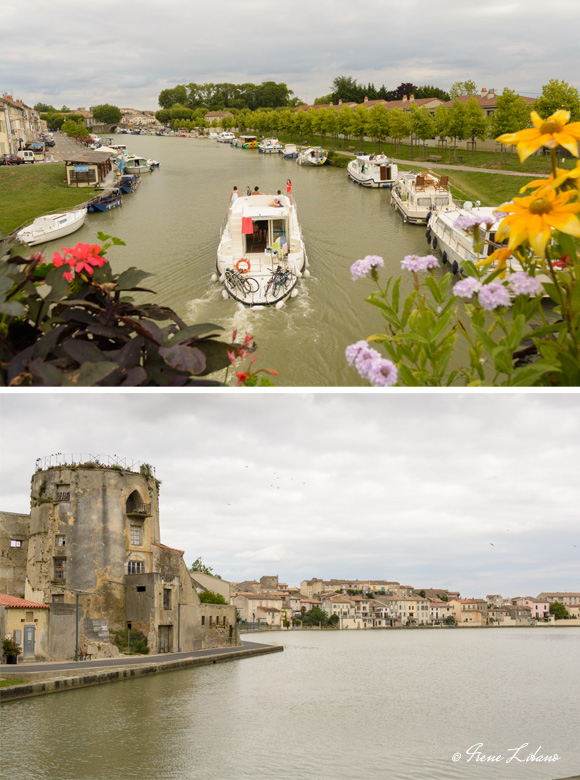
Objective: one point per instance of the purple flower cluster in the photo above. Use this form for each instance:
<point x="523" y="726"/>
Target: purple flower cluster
<point x="466" y="287"/>
<point x="493" y="295"/>
<point x="523" y="284"/>
<point x="416" y="263"/>
<point x="379" y="371"/>
<point x="362" y="267"/>
<point x="470" y="221"/>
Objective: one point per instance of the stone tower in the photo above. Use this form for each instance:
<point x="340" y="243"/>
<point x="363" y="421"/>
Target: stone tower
<point x="90" y="525"/>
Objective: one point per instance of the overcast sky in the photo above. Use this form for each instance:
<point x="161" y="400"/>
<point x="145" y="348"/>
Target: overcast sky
<point x="125" y="53"/>
<point x="476" y="492"/>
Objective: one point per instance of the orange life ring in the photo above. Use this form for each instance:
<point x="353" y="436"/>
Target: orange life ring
<point x="246" y="263"/>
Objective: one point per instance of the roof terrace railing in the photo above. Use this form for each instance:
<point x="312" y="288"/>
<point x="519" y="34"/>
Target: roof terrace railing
<point x="86" y="459"/>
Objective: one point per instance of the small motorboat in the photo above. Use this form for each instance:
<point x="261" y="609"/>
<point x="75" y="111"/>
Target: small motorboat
<point x="290" y="152"/>
<point x="153" y="163"/>
<point x="110" y="199"/>
<point x="270" y="146"/>
<point x="245" y="141"/>
<point x="372" y="170"/>
<point x="312" y="155"/>
<point x="51" y="227"/>
<point x="129" y="182"/>
<point x="134" y="164"/>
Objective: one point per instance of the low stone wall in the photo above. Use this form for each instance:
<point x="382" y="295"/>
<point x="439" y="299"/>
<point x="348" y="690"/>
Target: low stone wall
<point x="99" y="677"/>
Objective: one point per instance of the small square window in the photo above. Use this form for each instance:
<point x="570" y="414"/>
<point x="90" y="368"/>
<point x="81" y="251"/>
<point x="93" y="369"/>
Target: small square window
<point x="141" y="589"/>
<point x="136" y="535"/>
<point x="15" y="543"/>
<point x="30" y="617"/>
<point x="60" y="540"/>
<point x="203" y="620"/>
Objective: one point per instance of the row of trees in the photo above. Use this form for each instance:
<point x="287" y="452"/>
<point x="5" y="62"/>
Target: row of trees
<point x="462" y="121"/>
<point x="216" y="97"/>
<point x="347" y="89"/>
<point x="55" y="119"/>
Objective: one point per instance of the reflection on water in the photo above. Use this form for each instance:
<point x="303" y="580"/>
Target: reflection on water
<point x="333" y="706"/>
<point x="172" y="226"/>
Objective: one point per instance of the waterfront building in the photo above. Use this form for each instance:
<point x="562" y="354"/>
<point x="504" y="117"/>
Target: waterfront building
<point x="19" y="124"/>
<point x="540" y="610"/>
<point x="27" y="624"/>
<point x="259" y="608"/>
<point x="470" y="611"/>
<point x="439" y="611"/>
<point x="567" y="599"/>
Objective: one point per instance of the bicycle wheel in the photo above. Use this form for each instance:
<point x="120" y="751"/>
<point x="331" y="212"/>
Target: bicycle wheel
<point x="251" y="285"/>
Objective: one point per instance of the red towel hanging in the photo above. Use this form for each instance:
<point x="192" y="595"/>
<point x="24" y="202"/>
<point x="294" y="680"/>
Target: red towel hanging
<point x="247" y="225"/>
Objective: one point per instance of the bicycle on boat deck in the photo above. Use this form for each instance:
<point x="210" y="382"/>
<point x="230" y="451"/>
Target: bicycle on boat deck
<point x="239" y="281"/>
<point x="280" y="280"/>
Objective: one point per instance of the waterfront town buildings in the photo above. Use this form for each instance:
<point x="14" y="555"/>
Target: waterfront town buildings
<point x="88" y="560"/>
<point x="19" y="124"/>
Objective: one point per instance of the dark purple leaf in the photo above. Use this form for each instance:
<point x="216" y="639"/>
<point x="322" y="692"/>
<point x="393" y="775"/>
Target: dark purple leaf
<point x="187" y="359"/>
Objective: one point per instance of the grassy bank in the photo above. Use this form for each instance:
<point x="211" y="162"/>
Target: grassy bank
<point x="29" y="191"/>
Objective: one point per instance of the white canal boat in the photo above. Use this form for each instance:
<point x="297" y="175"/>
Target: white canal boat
<point x="418" y="195"/>
<point x="312" y="155"/>
<point x="270" y="146"/>
<point x="225" y="138"/>
<point x="456" y="244"/>
<point x="51" y="227"/>
<point x="261" y="253"/>
<point x="372" y="170"/>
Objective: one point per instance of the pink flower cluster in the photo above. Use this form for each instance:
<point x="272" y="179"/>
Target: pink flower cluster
<point x="471" y="221"/>
<point x="84" y="257"/>
<point x="363" y="267"/>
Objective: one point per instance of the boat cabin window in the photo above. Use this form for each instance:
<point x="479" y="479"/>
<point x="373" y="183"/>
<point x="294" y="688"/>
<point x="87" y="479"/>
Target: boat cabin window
<point x="279" y="229"/>
<point x="257" y="241"/>
<point x="441" y="200"/>
<point x="426" y="202"/>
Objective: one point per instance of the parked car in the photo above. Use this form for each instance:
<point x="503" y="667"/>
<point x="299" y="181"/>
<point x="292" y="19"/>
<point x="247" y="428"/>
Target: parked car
<point x="26" y="155"/>
<point x="11" y="159"/>
<point x="49" y="142"/>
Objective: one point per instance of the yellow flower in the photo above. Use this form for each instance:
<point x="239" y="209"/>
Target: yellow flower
<point x="501" y="256"/>
<point x="549" y="132"/>
<point x="532" y="219"/>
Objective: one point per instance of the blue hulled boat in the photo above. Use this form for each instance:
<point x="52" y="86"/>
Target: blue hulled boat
<point x="110" y="199"/>
<point x="129" y="182"/>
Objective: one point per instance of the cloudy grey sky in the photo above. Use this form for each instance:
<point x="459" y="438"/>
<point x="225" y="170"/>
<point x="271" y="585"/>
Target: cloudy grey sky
<point x="477" y="492"/>
<point x="125" y="53"/>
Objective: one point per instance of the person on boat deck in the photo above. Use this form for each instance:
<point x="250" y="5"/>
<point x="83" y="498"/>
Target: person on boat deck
<point x="248" y="191"/>
<point x="256" y="191"/>
<point x="277" y="202"/>
<point x="234" y="196"/>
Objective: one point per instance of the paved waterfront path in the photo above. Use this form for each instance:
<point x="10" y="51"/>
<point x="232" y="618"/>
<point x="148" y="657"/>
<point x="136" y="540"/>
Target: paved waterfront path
<point x="23" y="669"/>
<point x="451" y="166"/>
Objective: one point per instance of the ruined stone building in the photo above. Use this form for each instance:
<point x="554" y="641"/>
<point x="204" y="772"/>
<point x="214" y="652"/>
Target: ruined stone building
<point x="93" y="534"/>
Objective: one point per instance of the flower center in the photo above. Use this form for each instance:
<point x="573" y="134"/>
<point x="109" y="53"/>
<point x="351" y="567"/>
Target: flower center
<point x="540" y="206"/>
<point x="551" y="126"/>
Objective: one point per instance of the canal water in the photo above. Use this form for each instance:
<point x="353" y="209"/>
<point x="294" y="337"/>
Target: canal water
<point x="333" y="706"/>
<point x="173" y="223"/>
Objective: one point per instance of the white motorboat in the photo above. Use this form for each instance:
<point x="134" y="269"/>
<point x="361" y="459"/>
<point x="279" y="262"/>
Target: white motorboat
<point x="372" y="170"/>
<point x="261" y="253"/>
<point x="312" y="155"/>
<point x="456" y="244"/>
<point x="290" y="152"/>
<point x="418" y="195"/>
<point x="225" y="138"/>
<point x="51" y="227"/>
<point x="134" y="164"/>
<point x="270" y="146"/>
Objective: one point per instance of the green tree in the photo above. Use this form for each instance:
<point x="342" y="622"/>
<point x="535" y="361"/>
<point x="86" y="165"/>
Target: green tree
<point x="319" y="122"/>
<point x="322" y="101"/>
<point x="360" y="122"/>
<point x="345" y="88"/>
<point x="107" y="114"/>
<point x="344" y="119"/>
<point x="399" y="124"/>
<point x="477" y="125"/>
<point x="422" y="594"/>
<point x="209" y="597"/>
<point x="331" y="124"/>
<point x="168" y="97"/>
<point x="198" y="565"/>
<point x="557" y="95"/>
<point x="333" y="620"/>
<point x="54" y="120"/>
<point x="429" y="91"/>
<point x="179" y="111"/>
<point x="512" y="114"/>
<point x="457" y="127"/>
<point x="315" y="617"/>
<point x="422" y="124"/>
<point x="460" y="88"/>
<point x="74" y="129"/>
<point x="163" y="116"/>
<point x="378" y="123"/>
<point x="44" y="108"/>
<point x="558" y="610"/>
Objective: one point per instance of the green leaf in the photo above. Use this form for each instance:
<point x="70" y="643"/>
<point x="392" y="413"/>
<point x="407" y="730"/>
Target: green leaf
<point x="12" y="309"/>
<point x="192" y="332"/>
<point x="395" y="294"/>
<point x="83" y="351"/>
